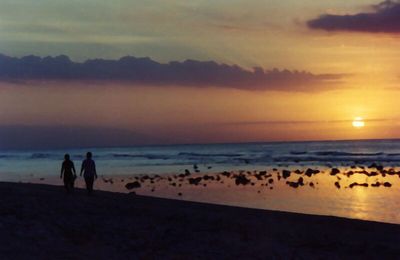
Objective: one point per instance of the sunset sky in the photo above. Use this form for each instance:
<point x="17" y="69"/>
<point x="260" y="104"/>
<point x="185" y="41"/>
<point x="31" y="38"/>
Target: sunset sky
<point x="278" y="70"/>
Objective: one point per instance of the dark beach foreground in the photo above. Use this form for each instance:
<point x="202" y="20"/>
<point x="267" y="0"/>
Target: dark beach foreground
<point x="41" y="221"/>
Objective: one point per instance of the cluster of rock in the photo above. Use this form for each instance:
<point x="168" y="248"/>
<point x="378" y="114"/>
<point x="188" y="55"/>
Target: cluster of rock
<point x="263" y="178"/>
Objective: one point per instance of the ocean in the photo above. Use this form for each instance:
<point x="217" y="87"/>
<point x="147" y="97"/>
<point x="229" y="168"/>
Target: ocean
<point x="317" y="194"/>
<point x="209" y="157"/>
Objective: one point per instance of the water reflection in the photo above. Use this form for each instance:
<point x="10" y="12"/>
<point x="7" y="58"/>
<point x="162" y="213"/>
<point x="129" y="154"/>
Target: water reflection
<point x="323" y="197"/>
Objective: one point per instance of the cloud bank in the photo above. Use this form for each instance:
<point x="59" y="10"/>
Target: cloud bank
<point x="385" y="18"/>
<point x="149" y="72"/>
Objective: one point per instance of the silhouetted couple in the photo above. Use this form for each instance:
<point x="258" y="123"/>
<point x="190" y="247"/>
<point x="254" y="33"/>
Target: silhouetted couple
<point x="88" y="169"/>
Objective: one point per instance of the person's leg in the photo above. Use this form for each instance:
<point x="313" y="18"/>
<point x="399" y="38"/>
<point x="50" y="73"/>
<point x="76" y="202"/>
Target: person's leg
<point x="91" y="185"/>
<point x="87" y="181"/>
<point x="66" y="185"/>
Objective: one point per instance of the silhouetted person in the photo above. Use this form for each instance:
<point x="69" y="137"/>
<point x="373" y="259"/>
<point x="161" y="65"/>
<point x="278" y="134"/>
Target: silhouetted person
<point x="68" y="170"/>
<point x="89" y="169"/>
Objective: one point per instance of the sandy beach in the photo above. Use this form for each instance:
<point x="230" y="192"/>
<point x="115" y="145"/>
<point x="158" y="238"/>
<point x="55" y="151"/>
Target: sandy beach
<point x="42" y="221"/>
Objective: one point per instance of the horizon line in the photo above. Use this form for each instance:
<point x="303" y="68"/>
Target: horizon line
<point x="212" y="143"/>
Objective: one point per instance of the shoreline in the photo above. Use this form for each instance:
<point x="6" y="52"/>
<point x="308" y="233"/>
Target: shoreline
<point x="42" y="221"/>
<point x="353" y="192"/>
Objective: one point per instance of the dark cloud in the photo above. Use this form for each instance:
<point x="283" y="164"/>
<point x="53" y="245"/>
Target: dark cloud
<point x="384" y="18"/>
<point x="146" y="71"/>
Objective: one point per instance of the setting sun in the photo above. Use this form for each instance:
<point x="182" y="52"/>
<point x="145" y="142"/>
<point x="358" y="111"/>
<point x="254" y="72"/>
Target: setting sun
<point x="358" y="122"/>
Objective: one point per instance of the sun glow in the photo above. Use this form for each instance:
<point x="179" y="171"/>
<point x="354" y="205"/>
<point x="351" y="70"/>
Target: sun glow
<point x="358" y="122"/>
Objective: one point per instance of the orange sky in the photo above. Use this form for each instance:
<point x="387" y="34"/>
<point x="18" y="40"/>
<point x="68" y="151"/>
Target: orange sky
<point x="271" y="34"/>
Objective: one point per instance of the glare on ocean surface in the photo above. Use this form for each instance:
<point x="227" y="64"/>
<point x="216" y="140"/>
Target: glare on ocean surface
<point x="358" y="122"/>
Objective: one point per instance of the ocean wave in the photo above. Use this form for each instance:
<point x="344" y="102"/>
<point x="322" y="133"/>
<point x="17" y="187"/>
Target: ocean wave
<point x="337" y="153"/>
<point x="393" y="154"/>
<point x="40" y="156"/>
<point x="298" y="152"/>
<point x="210" y="155"/>
<point x="7" y="156"/>
<point x="145" y="156"/>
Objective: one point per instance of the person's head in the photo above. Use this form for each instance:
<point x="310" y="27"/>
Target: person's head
<point x="66" y="157"/>
<point x="89" y="155"/>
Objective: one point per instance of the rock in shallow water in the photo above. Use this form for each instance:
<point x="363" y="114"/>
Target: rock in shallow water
<point x="335" y="171"/>
<point x="133" y="185"/>
<point x="241" y="179"/>
<point x="285" y="174"/>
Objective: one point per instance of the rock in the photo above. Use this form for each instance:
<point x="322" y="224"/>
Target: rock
<point x="334" y="171"/>
<point x="377" y="184"/>
<point x="285" y="174"/>
<point x="270" y="181"/>
<point x="387" y="184"/>
<point x="391" y="172"/>
<point x="241" y="179"/>
<point x="309" y="172"/>
<point x="258" y="177"/>
<point x="207" y="177"/>
<point x="358" y="184"/>
<point x="312" y="185"/>
<point x="226" y="174"/>
<point x="180" y="194"/>
<point x="376" y="166"/>
<point x="195" y="181"/>
<point x="292" y="184"/>
<point x="133" y="185"/>
<point x="337" y="184"/>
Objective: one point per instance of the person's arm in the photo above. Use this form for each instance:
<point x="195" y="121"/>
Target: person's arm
<point x="83" y="167"/>
<point x="73" y="169"/>
<point x="94" y="168"/>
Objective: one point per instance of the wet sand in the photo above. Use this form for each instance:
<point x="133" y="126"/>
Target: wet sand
<point x="41" y="221"/>
<point x="360" y="192"/>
